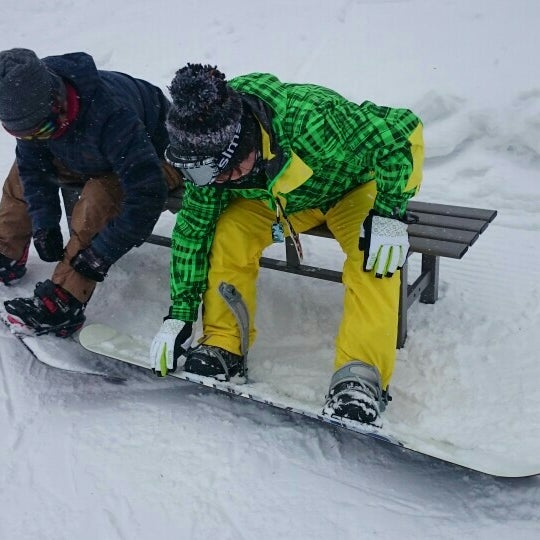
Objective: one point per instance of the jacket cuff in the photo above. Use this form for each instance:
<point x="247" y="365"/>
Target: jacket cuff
<point x="389" y="206"/>
<point x="183" y="313"/>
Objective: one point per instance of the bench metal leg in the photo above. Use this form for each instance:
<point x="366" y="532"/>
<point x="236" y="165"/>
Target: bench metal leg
<point x="425" y="288"/>
<point x="290" y="253"/>
<point x="403" y="307"/>
<point x="430" y="267"/>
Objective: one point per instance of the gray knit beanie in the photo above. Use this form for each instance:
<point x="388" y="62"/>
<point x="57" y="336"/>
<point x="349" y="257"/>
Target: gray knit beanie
<point x="205" y="113"/>
<point x="27" y="88"/>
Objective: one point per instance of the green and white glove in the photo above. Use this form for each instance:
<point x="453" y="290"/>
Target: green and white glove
<point x="172" y="341"/>
<point x="385" y="242"/>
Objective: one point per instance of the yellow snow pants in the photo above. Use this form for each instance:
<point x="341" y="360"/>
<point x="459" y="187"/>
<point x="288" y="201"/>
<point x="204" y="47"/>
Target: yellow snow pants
<point x="368" y="329"/>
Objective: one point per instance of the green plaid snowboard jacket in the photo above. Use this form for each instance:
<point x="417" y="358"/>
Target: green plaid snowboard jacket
<point x="317" y="147"/>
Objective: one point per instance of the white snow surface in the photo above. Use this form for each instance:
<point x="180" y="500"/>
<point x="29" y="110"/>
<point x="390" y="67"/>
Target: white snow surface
<point x="84" y="458"/>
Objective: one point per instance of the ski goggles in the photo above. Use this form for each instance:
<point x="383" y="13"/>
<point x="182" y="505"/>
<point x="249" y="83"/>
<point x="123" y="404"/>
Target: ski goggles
<point x="43" y="131"/>
<point x="47" y="127"/>
<point x="203" y="170"/>
<point x="199" y="171"/>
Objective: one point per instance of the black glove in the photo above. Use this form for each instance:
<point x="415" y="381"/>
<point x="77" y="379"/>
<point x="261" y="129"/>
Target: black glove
<point x="49" y="244"/>
<point x="90" y="264"/>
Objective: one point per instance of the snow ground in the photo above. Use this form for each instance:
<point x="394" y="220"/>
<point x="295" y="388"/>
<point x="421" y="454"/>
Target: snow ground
<point x="81" y="457"/>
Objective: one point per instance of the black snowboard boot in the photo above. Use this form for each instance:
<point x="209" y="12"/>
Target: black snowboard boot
<point x="11" y="269"/>
<point x="51" y="310"/>
<point x="353" y="401"/>
<point x="355" y="394"/>
<point x="214" y="362"/>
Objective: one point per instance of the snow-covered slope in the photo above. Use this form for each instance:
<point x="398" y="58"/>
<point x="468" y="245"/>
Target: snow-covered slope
<point x="83" y="458"/>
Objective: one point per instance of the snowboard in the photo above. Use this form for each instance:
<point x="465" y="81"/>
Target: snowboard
<point x="64" y="354"/>
<point x="108" y="342"/>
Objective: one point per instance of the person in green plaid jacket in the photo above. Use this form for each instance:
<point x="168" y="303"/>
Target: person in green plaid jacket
<point x="264" y="159"/>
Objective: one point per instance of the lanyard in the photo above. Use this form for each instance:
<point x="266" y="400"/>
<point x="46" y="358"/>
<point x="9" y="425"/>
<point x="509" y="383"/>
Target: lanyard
<point x="278" y="232"/>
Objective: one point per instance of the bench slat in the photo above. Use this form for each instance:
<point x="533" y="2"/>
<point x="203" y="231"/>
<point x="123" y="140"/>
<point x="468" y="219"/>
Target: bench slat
<point x="321" y="230"/>
<point x="439" y="233"/>
<point x="428" y="246"/>
<point x="418" y="231"/>
<point x="449" y="210"/>
<point x="174" y="203"/>
<point x="449" y="247"/>
<point x="452" y="222"/>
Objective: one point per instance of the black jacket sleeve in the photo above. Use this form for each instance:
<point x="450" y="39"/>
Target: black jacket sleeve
<point x="133" y="158"/>
<point x="38" y="178"/>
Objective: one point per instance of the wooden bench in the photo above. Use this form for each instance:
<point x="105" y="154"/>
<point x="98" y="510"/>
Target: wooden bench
<point x="440" y="231"/>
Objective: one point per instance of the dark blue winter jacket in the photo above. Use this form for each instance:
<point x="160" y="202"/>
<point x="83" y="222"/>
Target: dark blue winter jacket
<point x="119" y="129"/>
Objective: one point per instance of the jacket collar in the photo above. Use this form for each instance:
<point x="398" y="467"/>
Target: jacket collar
<point x="284" y="168"/>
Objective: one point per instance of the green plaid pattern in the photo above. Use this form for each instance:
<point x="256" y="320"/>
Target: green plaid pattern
<point x="345" y="144"/>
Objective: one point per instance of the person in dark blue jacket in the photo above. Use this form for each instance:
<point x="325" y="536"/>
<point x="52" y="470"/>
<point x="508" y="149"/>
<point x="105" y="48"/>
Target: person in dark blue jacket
<point x="77" y="124"/>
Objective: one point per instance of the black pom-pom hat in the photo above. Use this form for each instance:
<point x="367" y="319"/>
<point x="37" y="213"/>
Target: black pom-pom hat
<point x="205" y="114"/>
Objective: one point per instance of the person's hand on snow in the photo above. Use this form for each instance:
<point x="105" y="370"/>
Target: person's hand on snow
<point x="385" y="242"/>
<point x="172" y="341"/>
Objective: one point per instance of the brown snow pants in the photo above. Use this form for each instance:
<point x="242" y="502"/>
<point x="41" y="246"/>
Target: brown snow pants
<point x="99" y="202"/>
